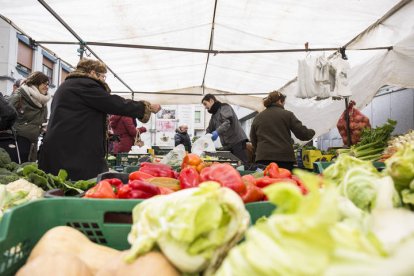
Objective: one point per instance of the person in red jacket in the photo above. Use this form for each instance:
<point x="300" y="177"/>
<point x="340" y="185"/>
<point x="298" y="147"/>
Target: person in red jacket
<point x="126" y="129"/>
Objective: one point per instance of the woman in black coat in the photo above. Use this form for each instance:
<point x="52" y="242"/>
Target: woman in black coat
<point x="77" y="129"/>
<point x="271" y="130"/>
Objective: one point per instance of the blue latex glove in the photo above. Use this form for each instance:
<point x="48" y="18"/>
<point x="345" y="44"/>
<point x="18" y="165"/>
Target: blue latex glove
<point x="214" y="135"/>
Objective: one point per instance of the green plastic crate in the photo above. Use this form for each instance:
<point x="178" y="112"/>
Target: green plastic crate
<point x="103" y="221"/>
<point x="106" y="222"/>
<point x="259" y="209"/>
<point x="242" y="172"/>
<point x="130" y="169"/>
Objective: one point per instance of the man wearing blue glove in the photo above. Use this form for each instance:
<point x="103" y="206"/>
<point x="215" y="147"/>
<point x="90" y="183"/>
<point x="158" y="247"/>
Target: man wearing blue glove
<point x="225" y="124"/>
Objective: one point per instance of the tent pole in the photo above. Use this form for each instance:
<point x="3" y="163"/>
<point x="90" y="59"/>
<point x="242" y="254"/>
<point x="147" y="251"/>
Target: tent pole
<point x="205" y="51"/>
<point x="61" y="21"/>
<point x="348" y="129"/>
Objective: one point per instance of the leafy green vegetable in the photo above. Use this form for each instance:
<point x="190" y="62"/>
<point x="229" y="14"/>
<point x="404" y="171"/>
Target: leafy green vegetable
<point x="373" y="142"/>
<point x="4" y="158"/>
<point x="6" y="179"/>
<point x="327" y="235"/>
<point x="379" y="134"/>
<point x="193" y="228"/>
<point x="400" y="167"/>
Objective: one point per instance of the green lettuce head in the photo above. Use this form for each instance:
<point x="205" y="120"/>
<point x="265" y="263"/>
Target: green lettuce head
<point x="194" y="228"/>
<point x="400" y="167"/>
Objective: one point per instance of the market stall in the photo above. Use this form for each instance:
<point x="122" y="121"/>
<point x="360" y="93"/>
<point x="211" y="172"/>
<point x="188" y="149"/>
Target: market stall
<point x="198" y="213"/>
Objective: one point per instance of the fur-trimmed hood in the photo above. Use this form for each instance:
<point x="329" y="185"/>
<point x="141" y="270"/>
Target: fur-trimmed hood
<point x="80" y="74"/>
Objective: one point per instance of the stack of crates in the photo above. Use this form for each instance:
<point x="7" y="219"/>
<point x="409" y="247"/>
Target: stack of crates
<point x="311" y="156"/>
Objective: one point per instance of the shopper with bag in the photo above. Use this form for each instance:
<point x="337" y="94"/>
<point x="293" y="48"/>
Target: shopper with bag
<point x="270" y="133"/>
<point x="225" y="124"/>
<point x="127" y="131"/>
<point x="77" y="130"/>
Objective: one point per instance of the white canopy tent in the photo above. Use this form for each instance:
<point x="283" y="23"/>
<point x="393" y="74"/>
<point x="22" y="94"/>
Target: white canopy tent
<point x="175" y="51"/>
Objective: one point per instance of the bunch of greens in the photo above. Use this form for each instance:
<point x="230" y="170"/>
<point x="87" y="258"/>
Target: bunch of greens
<point x="10" y="171"/>
<point x="194" y="228"/>
<point x="373" y="142"/>
<point x="48" y="181"/>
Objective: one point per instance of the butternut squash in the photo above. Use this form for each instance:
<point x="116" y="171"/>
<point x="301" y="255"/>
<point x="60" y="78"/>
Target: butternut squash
<point x="62" y="264"/>
<point x="64" y="239"/>
<point x="150" y="264"/>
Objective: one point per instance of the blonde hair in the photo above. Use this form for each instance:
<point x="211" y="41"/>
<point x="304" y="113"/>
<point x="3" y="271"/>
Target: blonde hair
<point x="273" y="97"/>
<point x="86" y="65"/>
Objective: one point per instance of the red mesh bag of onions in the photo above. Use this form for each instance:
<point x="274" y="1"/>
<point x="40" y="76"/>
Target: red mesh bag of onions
<point x="357" y="122"/>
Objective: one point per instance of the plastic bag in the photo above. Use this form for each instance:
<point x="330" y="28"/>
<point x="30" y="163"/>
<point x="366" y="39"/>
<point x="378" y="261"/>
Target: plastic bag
<point x="203" y="144"/>
<point x="139" y="150"/>
<point x="357" y="122"/>
<point x="175" y="156"/>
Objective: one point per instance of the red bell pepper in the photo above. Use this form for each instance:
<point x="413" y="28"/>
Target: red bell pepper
<point x="140" y="194"/>
<point x="284" y="173"/>
<point x="300" y="184"/>
<point x="165" y="190"/>
<point x="138" y="175"/>
<point x="157" y="170"/>
<point x="253" y="193"/>
<point x="189" y="178"/>
<point x="124" y="192"/>
<point x="101" y="190"/>
<point x="115" y="182"/>
<point x="272" y="170"/>
<point x="249" y="179"/>
<point x="148" y="188"/>
<point x="191" y="159"/>
<point x="266" y="181"/>
<point x="226" y="175"/>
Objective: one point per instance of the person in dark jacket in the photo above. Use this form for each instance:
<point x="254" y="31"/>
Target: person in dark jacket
<point x="126" y="129"/>
<point x="182" y="137"/>
<point x="30" y="101"/>
<point x="225" y="124"/>
<point x="77" y="129"/>
<point x="271" y="129"/>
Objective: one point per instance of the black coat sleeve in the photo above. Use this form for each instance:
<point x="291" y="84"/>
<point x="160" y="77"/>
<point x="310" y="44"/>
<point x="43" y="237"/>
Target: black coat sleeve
<point x="98" y="98"/>
<point x="299" y="130"/>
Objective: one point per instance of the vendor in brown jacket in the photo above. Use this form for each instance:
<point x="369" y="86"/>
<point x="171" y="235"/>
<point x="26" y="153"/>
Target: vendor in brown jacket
<point x="270" y="132"/>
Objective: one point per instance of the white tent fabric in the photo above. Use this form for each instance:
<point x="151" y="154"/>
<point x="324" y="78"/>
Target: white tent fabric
<point x="239" y="25"/>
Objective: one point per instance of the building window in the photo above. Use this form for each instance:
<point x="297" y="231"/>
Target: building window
<point x="48" y="72"/>
<point x="197" y="117"/>
<point x="63" y="75"/>
<point x="23" y="70"/>
<point x="47" y="69"/>
<point x="24" y="59"/>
